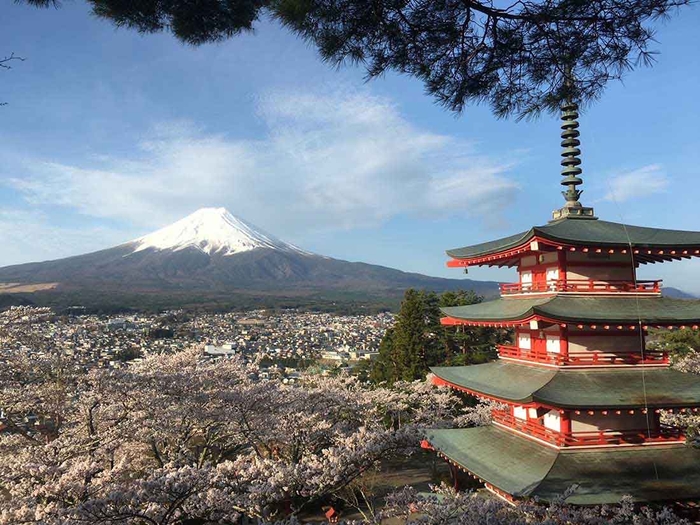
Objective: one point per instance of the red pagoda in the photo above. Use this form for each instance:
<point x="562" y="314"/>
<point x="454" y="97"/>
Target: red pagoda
<point x="579" y="394"/>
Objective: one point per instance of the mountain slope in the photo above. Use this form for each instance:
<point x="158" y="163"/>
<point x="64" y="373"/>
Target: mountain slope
<point x="669" y="291"/>
<point x="213" y="251"/>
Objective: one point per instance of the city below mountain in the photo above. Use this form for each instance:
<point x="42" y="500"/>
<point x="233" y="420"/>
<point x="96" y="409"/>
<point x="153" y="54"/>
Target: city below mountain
<point x="212" y="256"/>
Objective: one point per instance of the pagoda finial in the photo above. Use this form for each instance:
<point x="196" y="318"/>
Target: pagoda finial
<point x="571" y="163"/>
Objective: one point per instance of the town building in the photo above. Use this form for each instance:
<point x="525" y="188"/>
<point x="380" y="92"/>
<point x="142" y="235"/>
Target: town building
<point x="579" y="396"/>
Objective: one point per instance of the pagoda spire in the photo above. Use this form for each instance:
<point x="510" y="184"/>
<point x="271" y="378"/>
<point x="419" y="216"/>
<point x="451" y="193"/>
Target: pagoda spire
<point x="571" y="165"/>
<point x="571" y="162"/>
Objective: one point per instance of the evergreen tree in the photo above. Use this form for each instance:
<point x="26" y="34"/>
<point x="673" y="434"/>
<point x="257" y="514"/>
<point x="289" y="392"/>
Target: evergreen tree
<point x="434" y="347"/>
<point x="384" y="367"/>
<point x="469" y="344"/>
<point x="410" y="336"/>
<point x="678" y="343"/>
<point x="413" y="345"/>
<point x="418" y="340"/>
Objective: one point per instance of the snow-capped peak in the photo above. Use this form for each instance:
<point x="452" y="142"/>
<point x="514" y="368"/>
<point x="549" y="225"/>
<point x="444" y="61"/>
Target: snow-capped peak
<point x="212" y="230"/>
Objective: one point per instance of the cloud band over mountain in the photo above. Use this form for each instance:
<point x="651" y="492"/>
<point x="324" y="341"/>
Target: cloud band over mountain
<point x="336" y="160"/>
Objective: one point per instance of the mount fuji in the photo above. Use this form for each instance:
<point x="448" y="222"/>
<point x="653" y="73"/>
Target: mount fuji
<point x="212" y="253"/>
<point x="213" y="231"/>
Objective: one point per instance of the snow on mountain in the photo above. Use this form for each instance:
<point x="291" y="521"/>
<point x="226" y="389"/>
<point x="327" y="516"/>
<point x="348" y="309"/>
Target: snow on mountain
<point x="212" y="231"/>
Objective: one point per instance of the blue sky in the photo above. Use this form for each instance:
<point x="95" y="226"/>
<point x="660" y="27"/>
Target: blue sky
<point x="108" y="135"/>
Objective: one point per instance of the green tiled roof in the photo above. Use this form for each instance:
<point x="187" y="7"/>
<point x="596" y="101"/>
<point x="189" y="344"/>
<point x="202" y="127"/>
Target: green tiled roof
<point x="510" y="463"/>
<point x="610" y="310"/>
<point x="499" y="379"/>
<point x="583" y="388"/>
<point x="497" y="310"/>
<point x="498" y="245"/>
<point x="524" y="468"/>
<point x="627" y="388"/>
<point x="587" y="232"/>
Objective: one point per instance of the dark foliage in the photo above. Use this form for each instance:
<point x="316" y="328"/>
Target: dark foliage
<point x="192" y="21"/>
<point x="8" y="299"/>
<point x="128" y="354"/>
<point x="418" y="340"/>
<point x="518" y="58"/>
<point x="678" y="343"/>
<point x="160" y="332"/>
<point x="469" y="345"/>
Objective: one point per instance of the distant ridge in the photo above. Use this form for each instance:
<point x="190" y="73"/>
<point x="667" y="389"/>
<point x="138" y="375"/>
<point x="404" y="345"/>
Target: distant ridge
<point x="669" y="291"/>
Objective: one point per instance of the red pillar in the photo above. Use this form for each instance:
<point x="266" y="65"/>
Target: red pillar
<point x="564" y="343"/>
<point x="562" y="267"/>
<point x="455" y="481"/>
<point x="565" y="418"/>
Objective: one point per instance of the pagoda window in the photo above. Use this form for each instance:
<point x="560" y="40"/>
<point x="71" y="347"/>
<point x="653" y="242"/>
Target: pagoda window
<point x="526" y="279"/>
<point x="553" y="344"/>
<point x="552" y="420"/>
<point x="552" y="276"/>
<point x="524" y="341"/>
<point x="520" y="413"/>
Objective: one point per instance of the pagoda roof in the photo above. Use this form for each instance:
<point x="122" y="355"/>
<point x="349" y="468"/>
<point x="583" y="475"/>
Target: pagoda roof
<point x="570" y="389"/>
<point x="573" y="308"/>
<point x="524" y="468"/>
<point x="589" y="232"/>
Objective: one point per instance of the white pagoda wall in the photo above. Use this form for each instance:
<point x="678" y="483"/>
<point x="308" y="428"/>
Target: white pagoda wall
<point x="585" y="423"/>
<point x="576" y="265"/>
<point x="598" y="272"/>
<point x="611" y="343"/>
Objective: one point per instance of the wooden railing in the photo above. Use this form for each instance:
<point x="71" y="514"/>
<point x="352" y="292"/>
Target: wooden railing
<point x="537" y="430"/>
<point x="582" y="286"/>
<point x="591" y="358"/>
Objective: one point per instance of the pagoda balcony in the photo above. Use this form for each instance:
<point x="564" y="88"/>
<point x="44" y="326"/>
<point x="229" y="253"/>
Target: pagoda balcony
<point x="595" y="438"/>
<point x="590" y="358"/>
<point x="582" y="286"/>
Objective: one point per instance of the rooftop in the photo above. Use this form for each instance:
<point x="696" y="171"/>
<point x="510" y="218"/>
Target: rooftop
<point x="523" y="468"/>
<point x="593" y="233"/>
<point x="571" y="389"/>
<point x="577" y="309"/>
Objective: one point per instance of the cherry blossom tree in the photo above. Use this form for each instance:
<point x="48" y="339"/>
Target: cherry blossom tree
<point x="690" y="421"/>
<point x="466" y="508"/>
<point x="184" y="439"/>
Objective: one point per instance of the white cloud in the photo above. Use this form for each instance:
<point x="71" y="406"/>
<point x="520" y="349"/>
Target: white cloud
<point x="326" y="161"/>
<point x="635" y="184"/>
<point x="32" y="235"/>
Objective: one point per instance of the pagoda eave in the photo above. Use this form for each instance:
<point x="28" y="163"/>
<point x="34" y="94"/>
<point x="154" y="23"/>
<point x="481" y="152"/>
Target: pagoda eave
<point x="509" y="258"/>
<point x="646" y="245"/>
<point x="578" y="389"/>
<point x="453" y="321"/>
<point x="602" y="312"/>
<point x="521" y="468"/>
